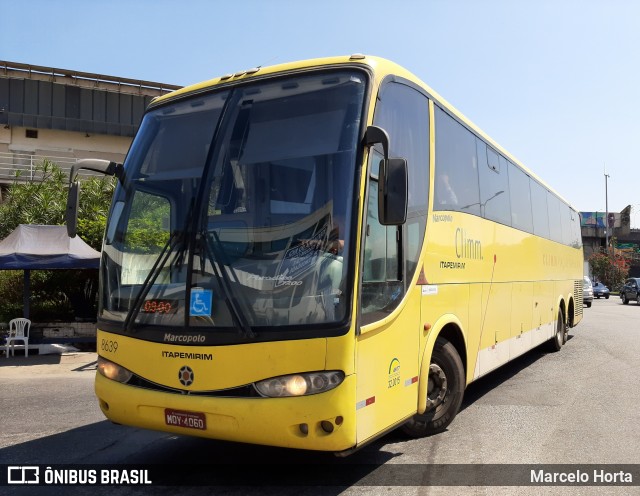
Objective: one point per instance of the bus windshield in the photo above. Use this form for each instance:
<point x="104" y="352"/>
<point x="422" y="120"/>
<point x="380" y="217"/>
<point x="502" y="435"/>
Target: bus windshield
<point x="235" y="209"/>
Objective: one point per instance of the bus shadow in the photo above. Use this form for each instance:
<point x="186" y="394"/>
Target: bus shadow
<point x="195" y="463"/>
<point x="477" y="389"/>
<point x="19" y="359"/>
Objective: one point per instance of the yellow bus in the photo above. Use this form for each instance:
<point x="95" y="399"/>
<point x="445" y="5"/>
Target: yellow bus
<point x="313" y="254"/>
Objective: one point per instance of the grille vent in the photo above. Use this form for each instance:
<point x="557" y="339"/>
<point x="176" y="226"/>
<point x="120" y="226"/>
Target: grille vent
<point x="577" y="296"/>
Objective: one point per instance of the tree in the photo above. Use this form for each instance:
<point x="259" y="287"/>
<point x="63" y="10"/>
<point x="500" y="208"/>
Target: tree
<point x="34" y="201"/>
<point x="57" y="295"/>
<point x="43" y="199"/>
<point x="610" y="270"/>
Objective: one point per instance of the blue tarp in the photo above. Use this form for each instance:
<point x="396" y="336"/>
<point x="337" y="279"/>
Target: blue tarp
<point x="34" y="247"/>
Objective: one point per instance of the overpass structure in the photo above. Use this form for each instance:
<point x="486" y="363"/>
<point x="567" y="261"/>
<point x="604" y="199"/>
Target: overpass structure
<point x="64" y="115"/>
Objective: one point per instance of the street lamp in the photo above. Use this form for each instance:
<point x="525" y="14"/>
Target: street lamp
<point x="635" y="210"/>
<point x="606" y="206"/>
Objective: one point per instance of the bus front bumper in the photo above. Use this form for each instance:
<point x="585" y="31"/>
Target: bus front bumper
<point x="324" y="422"/>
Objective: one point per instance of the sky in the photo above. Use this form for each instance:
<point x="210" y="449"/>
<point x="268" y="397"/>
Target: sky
<point x="555" y="82"/>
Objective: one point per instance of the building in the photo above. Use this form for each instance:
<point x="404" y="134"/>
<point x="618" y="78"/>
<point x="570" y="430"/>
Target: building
<point x="65" y="115"/>
<point x="621" y="236"/>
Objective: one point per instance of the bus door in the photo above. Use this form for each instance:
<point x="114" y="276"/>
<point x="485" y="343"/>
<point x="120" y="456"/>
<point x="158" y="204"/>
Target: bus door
<point x="387" y="348"/>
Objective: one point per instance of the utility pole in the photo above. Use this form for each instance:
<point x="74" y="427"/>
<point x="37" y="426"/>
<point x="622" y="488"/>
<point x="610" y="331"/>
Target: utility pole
<point x="606" y="215"/>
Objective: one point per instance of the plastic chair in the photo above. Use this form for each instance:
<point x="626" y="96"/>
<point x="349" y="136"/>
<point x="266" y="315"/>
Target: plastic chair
<point x="18" y="331"/>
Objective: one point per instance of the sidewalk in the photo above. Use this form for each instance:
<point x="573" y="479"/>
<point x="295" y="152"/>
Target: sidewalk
<point x="56" y="364"/>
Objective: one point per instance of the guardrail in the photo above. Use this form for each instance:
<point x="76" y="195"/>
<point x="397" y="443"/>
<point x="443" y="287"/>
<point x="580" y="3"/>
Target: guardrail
<point x="23" y="166"/>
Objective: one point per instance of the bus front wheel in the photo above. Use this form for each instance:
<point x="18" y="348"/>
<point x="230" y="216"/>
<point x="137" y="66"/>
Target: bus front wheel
<point x="444" y="392"/>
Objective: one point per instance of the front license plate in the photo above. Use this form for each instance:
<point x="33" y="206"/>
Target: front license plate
<point x="190" y="420"/>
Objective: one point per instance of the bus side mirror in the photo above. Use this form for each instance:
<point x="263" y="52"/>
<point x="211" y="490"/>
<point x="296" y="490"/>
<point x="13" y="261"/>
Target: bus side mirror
<point x="392" y="181"/>
<point x="97" y="165"/>
<point x="393" y="192"/>
<point x="71" y="215"/>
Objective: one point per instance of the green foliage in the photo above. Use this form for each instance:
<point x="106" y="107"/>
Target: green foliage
<point x="43" y="200"/>
<point x="147" y="231"/>
<point x="55" y="294"/>
<point x="144" y="237"/>
<point x="95" y="200"/>
<point x="10" y="294"/>
<point x="34" y="201"/>
<point x="611" y="270"/>
<point x="49" y="294"/>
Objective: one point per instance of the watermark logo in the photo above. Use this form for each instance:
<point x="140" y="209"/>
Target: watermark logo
<point x="23" y="475"/>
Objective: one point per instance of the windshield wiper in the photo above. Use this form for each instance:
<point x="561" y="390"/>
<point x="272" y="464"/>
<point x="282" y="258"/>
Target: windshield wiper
<point x="175" y="238"/>
<point x="216" y="254"/>
<point x="161" y="260"/>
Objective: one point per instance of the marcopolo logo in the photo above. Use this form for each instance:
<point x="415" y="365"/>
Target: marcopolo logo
<point x="184" y="338"/>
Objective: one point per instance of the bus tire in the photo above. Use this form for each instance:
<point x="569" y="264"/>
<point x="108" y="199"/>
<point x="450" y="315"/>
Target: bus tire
<point x="558" y="339"/>
<point x="445" y="391"/>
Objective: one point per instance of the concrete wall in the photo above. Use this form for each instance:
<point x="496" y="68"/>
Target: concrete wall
<point x="55" y="143"/>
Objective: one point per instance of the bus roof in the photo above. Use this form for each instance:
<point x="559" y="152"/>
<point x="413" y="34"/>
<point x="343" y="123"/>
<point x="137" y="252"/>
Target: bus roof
<point x="380" y="66"/>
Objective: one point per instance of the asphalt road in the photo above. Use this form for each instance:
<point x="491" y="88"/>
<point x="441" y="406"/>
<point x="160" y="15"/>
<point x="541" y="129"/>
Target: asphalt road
<point x="578" y="406"/>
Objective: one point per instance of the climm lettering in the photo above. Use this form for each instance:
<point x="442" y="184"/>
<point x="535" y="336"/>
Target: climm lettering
<point x="467" y="247"/>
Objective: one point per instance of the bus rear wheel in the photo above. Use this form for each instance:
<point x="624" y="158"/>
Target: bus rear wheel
<point x="559" y="338"/>
<point x="444" y="392"/>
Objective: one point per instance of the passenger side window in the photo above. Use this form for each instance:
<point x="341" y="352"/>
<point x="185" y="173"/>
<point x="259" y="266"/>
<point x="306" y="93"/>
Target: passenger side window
<point x="575" y="229"/>
<point x="456" y="186"/>
<point x="391" y="253"/>
<point x="521" y="217"/>
<point x="555" y="224"/>
<point x="540" y="209"/>
<point x="565" y="220"/>
<point x="382" y="286"/>
<point x="494" y="184"/>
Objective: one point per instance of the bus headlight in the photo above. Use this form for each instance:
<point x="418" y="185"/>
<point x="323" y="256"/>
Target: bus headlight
<point x="113" y="371"/>
<point x="300" y="384"/>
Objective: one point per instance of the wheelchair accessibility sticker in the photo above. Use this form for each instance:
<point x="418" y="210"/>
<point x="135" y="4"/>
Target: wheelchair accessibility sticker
<point x="200" y="305"/>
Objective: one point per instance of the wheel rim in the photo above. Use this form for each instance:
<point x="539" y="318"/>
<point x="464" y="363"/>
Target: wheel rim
<point x="437" y="387"/>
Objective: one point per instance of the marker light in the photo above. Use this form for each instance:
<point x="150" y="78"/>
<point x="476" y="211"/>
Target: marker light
<point x="300" y="384"/>
<point x="113" y="371"/>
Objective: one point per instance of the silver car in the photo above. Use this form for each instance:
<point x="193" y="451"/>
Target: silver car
<point x="587" y="292"/>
